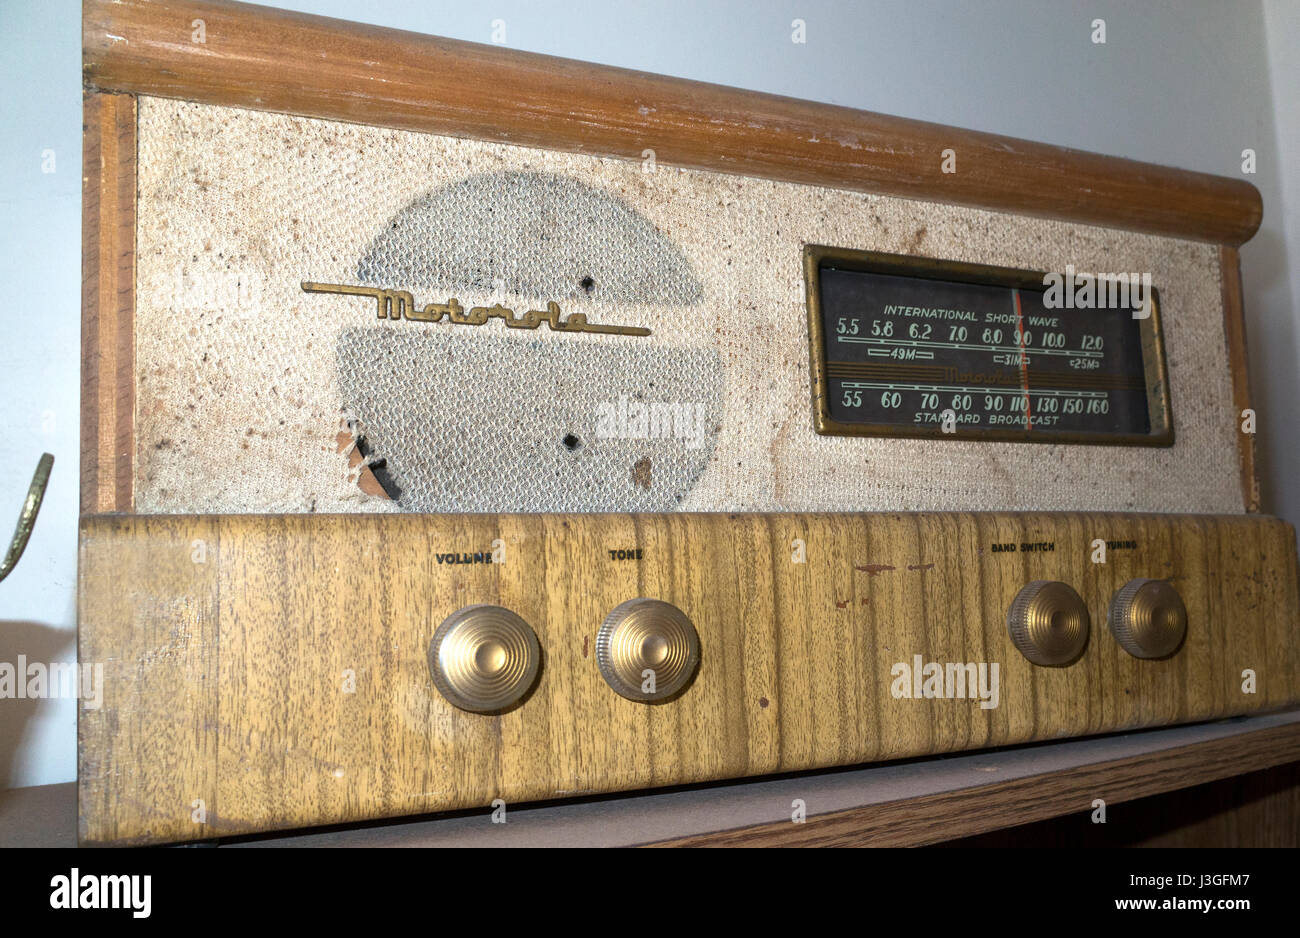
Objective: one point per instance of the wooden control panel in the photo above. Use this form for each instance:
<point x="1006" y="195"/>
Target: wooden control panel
<point x="265" y="672"/>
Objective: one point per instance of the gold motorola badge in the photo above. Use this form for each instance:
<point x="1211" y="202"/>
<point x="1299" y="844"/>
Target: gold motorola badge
<point x="400" y="304"/>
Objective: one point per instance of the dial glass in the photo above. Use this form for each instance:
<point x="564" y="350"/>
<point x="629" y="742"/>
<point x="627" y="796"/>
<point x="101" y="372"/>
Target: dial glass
<point x="914" y="347"/>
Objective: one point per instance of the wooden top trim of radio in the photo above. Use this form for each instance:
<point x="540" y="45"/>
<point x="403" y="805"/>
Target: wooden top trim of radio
<point x="266" y="59"/>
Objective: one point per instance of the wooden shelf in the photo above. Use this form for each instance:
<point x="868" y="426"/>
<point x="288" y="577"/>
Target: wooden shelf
<point x="915" y="802"/>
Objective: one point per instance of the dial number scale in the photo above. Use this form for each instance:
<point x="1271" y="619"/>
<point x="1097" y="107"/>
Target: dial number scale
<point x="914" y="347"/>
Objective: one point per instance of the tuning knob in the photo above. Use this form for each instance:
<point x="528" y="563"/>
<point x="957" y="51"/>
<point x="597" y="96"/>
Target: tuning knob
<point x="1148" y="618"/>
<point x="1048" y="622"/>
<point x="483" y="658"/>
<point x="647" y="649"/>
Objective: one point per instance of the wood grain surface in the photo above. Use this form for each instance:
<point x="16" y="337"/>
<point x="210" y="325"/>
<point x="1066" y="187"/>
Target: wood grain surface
<point x="1234" y="328"/>
<point x="226" y="643"/>
<point x="108" y="302"/>
<point x="266" y="59"/>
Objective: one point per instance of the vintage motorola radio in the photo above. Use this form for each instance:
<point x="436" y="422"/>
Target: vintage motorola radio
<point x="464" y="424"/>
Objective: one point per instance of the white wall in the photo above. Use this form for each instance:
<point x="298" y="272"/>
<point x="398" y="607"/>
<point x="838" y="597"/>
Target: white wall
<point x="1271" y="268"/>
<point x="1181" y="83"/>
<point x="40" y="338"/>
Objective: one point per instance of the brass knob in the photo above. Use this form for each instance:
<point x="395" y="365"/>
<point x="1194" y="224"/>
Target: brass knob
<point x="647" y="649"/>
<point x="1148" y="618"/>
<point x="1049" y="623"/>
<point x="483" y="658"/>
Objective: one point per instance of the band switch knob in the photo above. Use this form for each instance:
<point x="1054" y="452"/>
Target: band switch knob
<point x="1048" y="622"/>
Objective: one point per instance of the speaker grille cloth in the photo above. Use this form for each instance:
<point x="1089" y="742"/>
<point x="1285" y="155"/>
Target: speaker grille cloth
<point x="244" y="380"/>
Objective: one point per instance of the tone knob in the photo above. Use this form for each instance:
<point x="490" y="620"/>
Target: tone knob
<point x="1148" y="618"/>
<point x="483" y="658"/>
<point x="647" y="649"/>
<point x="1048" y="622"/>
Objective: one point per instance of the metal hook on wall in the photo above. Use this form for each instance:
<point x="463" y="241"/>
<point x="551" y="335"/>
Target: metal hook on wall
<point x="27" y="519"/>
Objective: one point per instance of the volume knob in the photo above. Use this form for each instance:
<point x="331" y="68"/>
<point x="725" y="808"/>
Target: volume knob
<point x="484" y="658"/>
<point x="1048" y="622"/>
<point x="647" y="649"/>
<point x="1148" y="618"/>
